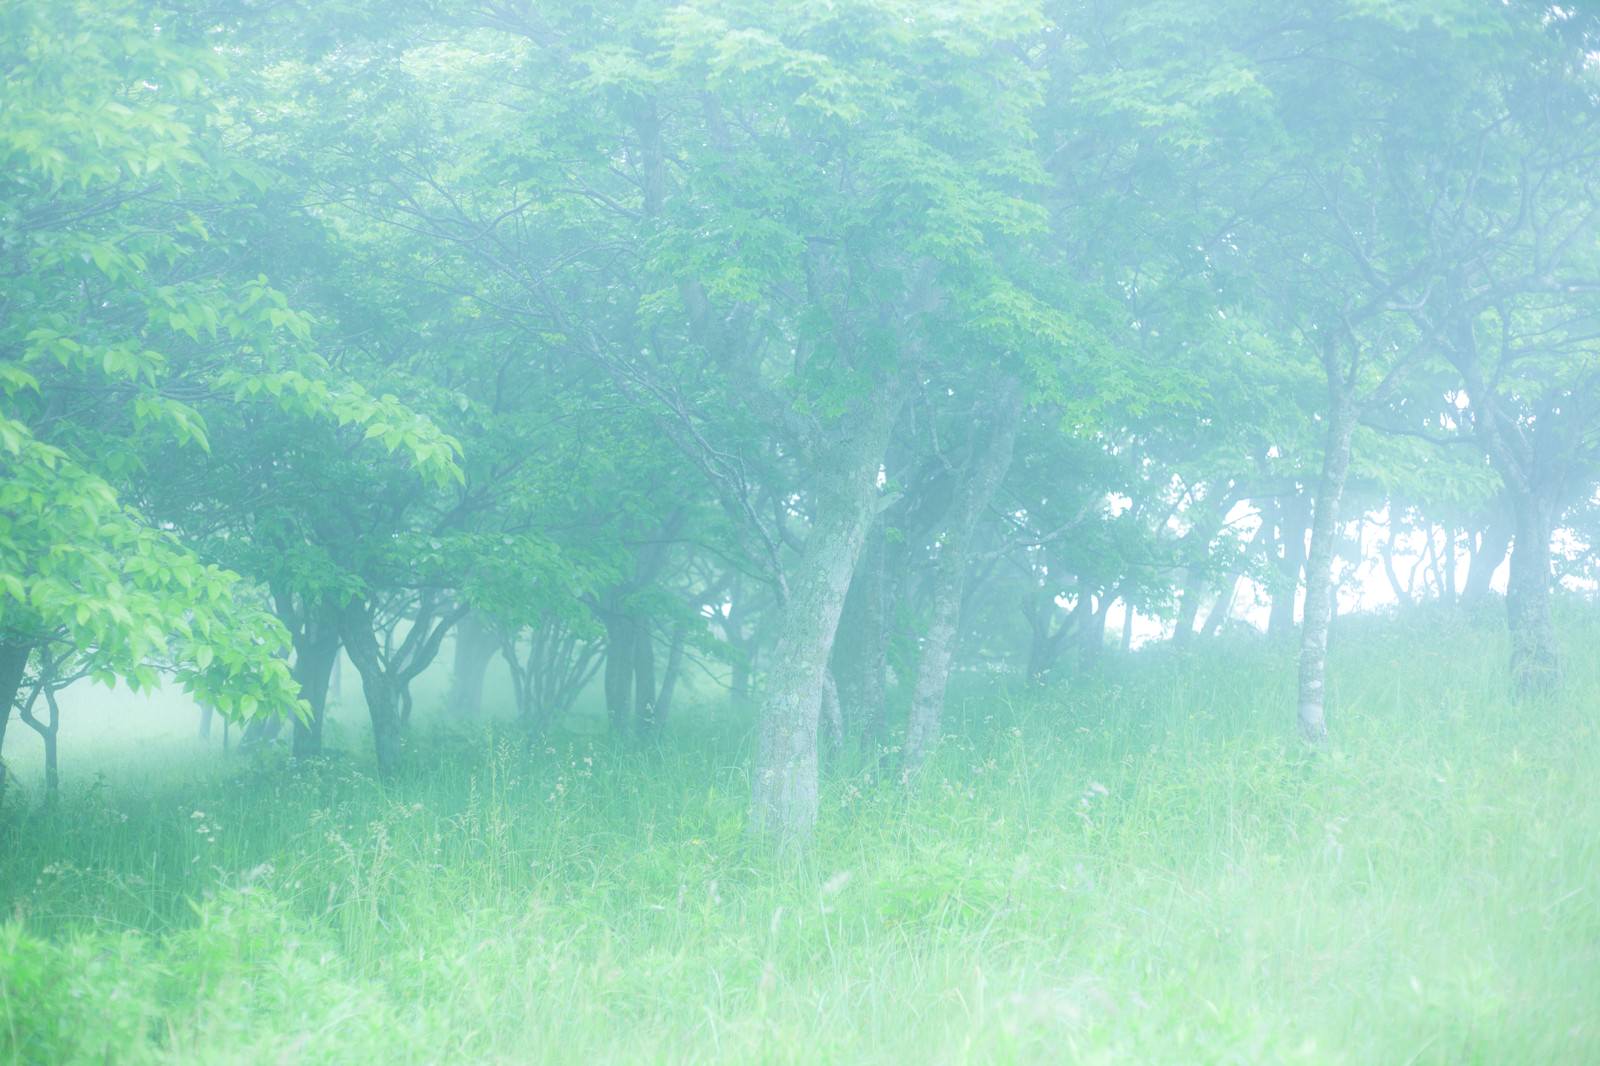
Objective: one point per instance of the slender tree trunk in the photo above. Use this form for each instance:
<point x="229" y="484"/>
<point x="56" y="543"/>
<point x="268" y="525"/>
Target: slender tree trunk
<point x="1447" y="558"/>
<point x="674" y="670"/>
<point x="976" y="487"/>
<point x="1293" y="520"/>
<point x="1535" y="660"/>
<point x="475" y="648"/>
<point x="1319" y="568"/>
<point x="1402" y="595"/>
<point x="48" y="732"/>
<point x="784" y="790"/>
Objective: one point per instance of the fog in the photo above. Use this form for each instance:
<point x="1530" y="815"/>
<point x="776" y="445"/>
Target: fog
<point x="777" y="531"/>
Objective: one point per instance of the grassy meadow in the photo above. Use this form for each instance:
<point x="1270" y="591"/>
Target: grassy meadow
<point x="1146" y="868"/>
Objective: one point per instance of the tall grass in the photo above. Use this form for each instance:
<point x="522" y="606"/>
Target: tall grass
<point x="1146" y="868"/>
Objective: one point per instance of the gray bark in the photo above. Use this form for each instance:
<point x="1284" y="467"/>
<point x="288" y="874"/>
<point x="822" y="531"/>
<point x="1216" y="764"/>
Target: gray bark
<point x="1319" y="567"/>
<point x="784" y="789"/>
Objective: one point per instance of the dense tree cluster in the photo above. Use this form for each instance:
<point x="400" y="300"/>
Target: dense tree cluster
<point x="835" y="344"/>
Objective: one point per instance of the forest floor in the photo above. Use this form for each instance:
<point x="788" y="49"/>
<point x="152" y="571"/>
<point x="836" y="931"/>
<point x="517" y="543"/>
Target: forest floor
<point x="1142" y="869"/>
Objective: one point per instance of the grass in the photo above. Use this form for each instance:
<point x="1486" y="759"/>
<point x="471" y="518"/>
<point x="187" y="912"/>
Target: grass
<point x="1142" y="869"/>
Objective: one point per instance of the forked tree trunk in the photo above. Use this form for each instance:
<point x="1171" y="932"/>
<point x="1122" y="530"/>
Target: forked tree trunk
<point x="316" y="648"/>
<point x="1319" y="569"/>
<point x="1535" y="660"/>
<point x="379" y="688"/>
<point x="784" y="789"/>
<point x="976" y="487"/>
<point x="49" y="733"/>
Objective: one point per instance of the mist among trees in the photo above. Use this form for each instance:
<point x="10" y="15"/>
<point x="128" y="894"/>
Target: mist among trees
<point x="750" y="530"/>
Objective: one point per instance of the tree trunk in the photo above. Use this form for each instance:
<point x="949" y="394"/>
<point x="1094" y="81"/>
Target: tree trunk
<point x="1490" y="553"/>
<point x="1092" y="639"/>
<point x="48" y="732"/>
<point x="669" y="680"/>
<point x="376" y="684"/>
<point x="1188" y="606"/>
<point x="475" y="648"/>
<point x="1222" y="610"/>
<point x="13" y="665"/>
<point x="644" y="676"/>
<point x="620" y="670"/>
<point x="382" y="700"/>
<point x="784" y="789"/>
<point x="1447" y="559"/>
<point x="982" y="475"/>
<point x="52" y="767"/>
<point x="1319" y="569"/>
<point x="1293" y="517"/>
<point x="1535" y="661"/>
<point x="1402" y="595"/>
<point x="832" y="715"/>
<point x="860" y="653"/>
<point x="316" y="649"/>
